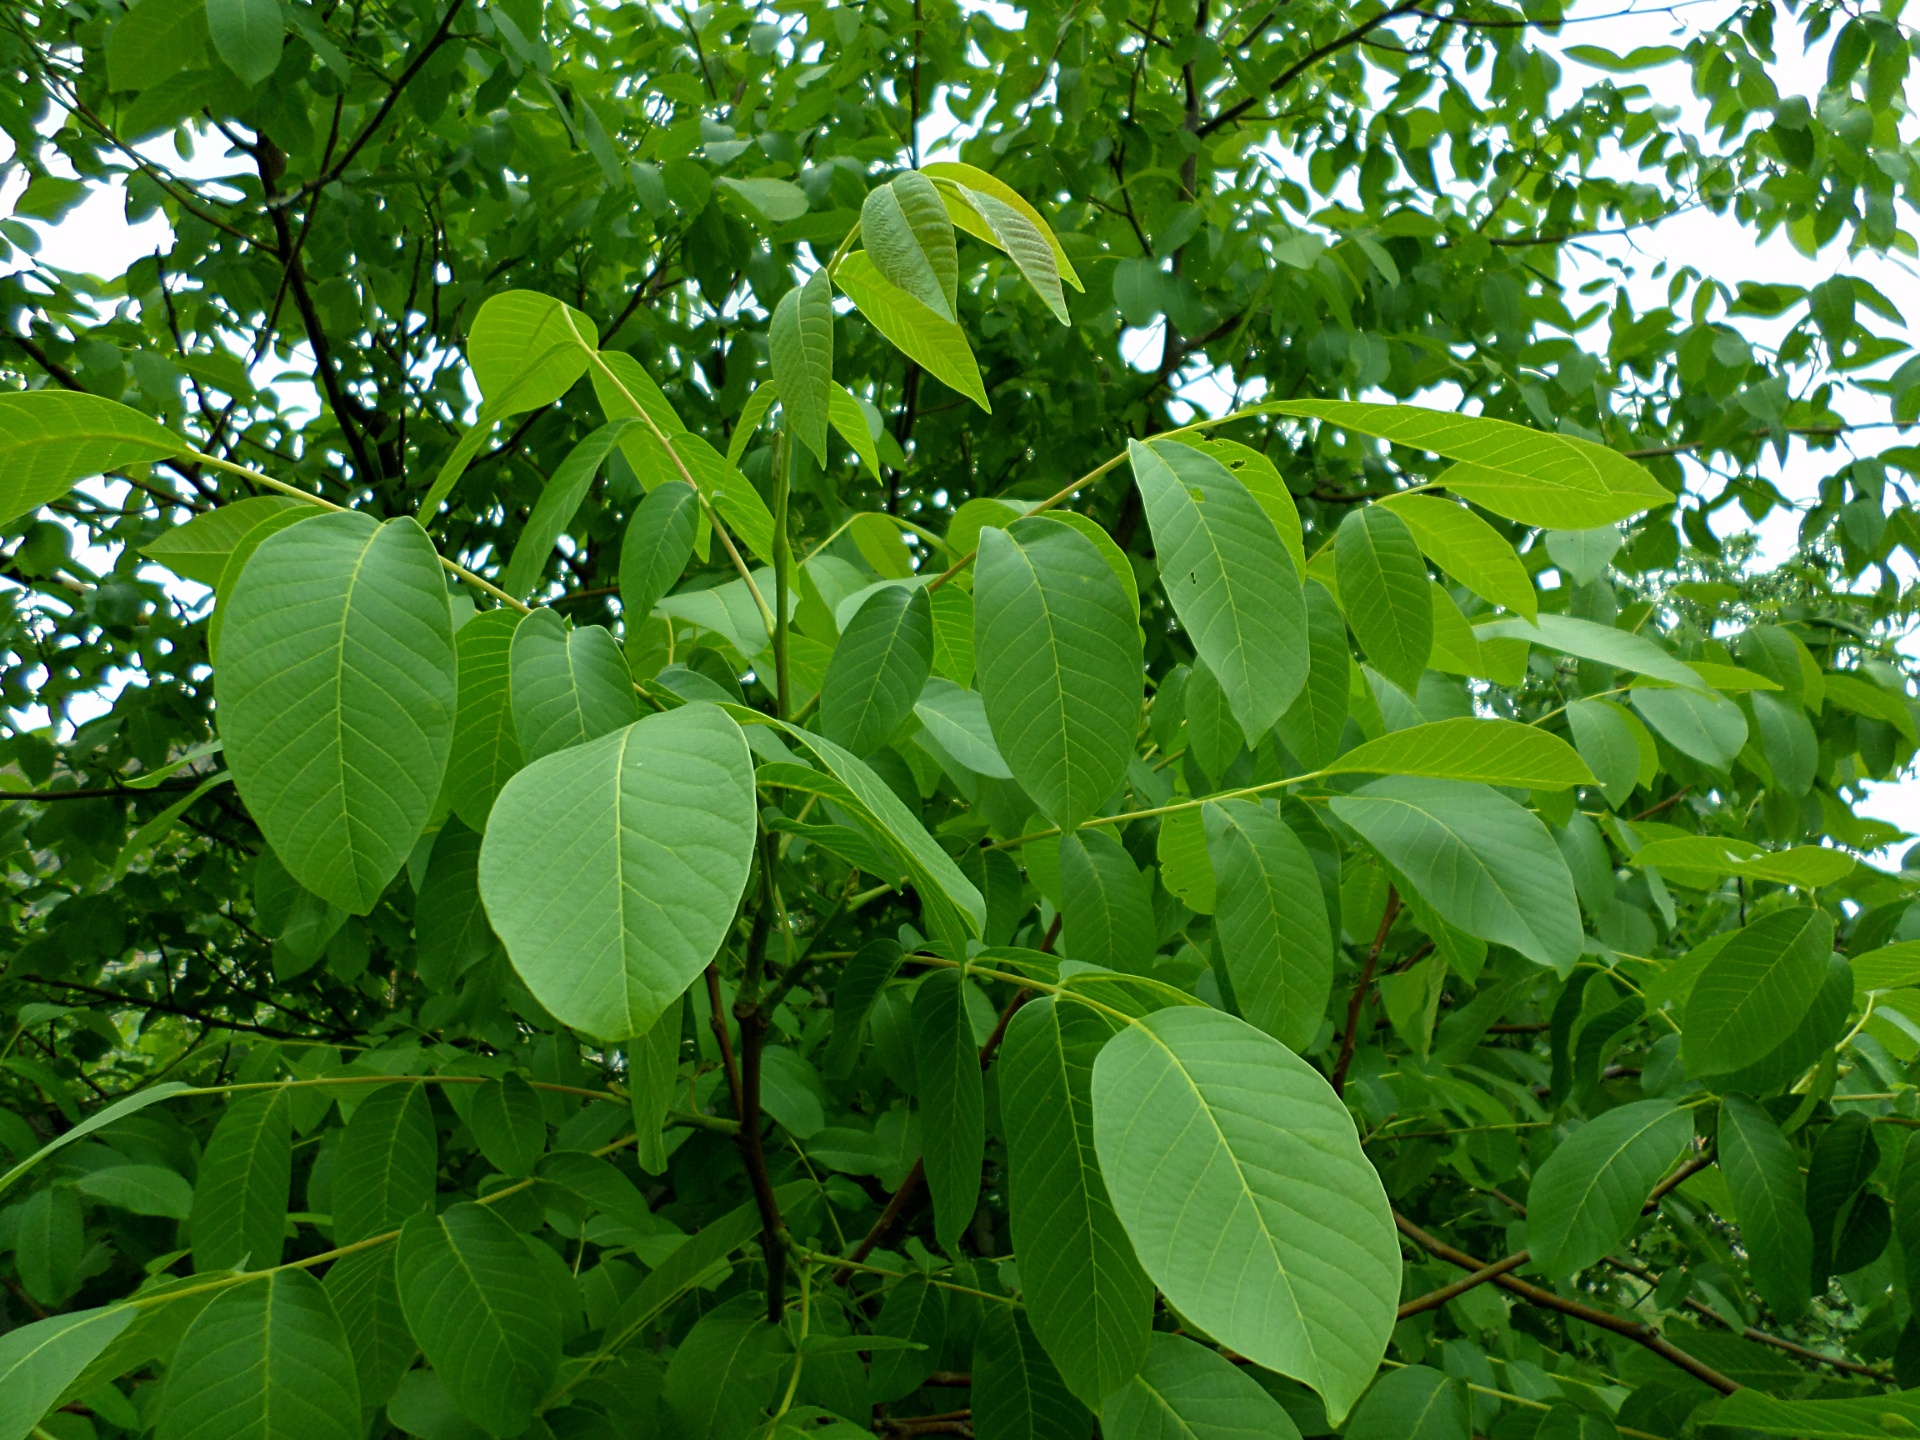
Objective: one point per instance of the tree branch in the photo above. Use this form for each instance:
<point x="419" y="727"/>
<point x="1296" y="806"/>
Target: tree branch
<point x="1307" y="62"/>
<point x="1340" y="1067"/>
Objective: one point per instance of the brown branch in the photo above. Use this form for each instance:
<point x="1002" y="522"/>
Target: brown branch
<point x="1307" y="62"/>
<point x="100" y="792"/>
<point x="134" y="1002"/>
<point x="1434" y="1299"/>
<point x="1340" y="1067"/>
<point x="717" y="1018"/>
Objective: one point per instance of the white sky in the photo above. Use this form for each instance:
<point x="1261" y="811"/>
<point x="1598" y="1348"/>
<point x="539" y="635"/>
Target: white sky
<point x="96" y="238"/>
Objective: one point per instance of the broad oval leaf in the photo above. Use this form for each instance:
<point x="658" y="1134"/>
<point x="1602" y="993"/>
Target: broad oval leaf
<point x="199" y="549"/>
<point x="1769" y="1204"/>
<point x="527" y="349"/>
<point x="611" y="870"/>
<point x="953" y="1123"/>
<point x="248" y="36"/>
<point x="1228" y="577"/>
<point x="1484" y="863"/>
<point x="486" y="743"/>
<point x="957" y="720"/>
<point x="51" y="438"/>
<point x="1604" y="738"/>
<point x="1384" y="591"/>
<point x="878" y="669"/>
<point x="1239" y="1177"/>
<point x="1058" y="654"/>
<point x="240" y="1202"/>
<point x="337" y="693"/>
<point x="1270" y="920"/>
<point x="39" y="1361"/>
<point x="1588" y="1194"/>
<point x="385" y="1167"/>
<point x="1185" y="1391"/>
<point x="935" y="343"/>
<point x="1755" y="990"/>
<point x="1493" y="752"/>
<point x="569" y="685"/>
<point x="1709" y="728"/>
<point x="267" y="1360"/>
<point x="1468" y="549"/>
<point x="800" y="345"/>
<point x="483" y="1313"/>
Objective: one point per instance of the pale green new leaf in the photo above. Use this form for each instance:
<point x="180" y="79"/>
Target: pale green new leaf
<point x="849" y="419"/>
<point x="1384" y="591"/>
<point x="482" y="1311"/>
<point x="1271" y="920"/>
<point x="1107" y="903"/>
<point x="1228" y="577"/>
<point x="956" y="718"/>
<point x="1058" y="651"/>
<point x="38" y="1362"/>
<point x="658" y="544"/>
<point x="51" y="438"/>
<point x="611" y="870"/>
<point x="486" y="745"/>
<point x="199" y="549"/>
<point x="938" y="345"/>
<point x="1090" y="1303"/>
<point x="878" y="669"/>
<point x="155" y="41"/>
<point x="1494" y="752"/>
<point x="527" y="349"/>
<point x="1312" y="725"/>
<point x="385" y="1167"/>
<point x="982" y="182"/>
<point x="909" y="239"/>
<point x="569" y="685"/>
<point x="1769" y="1199"/>
<point x="1025" y="245"/>
<point x="1589" y="1193"/>
<point x="240" y="1202"/>
<point x="1239" y="1177"/>
<point x="336" y="694"/>
<point x="800" y="345"/>
<point x="265" y="1361"/>
<point x="1603" y="644"/>
<point x="1755" y="989"/>
<point x="1707" y="727"/>
<point x="1185" y="1391"/>
<point x="953" y="1125"/>
<point x="1484" y="863"/>
<point x="1468" y="549"/>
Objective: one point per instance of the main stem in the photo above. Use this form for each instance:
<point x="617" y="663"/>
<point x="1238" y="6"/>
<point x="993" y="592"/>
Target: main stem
<point x="752" y="1017"/>
<point x="786" y="455"/>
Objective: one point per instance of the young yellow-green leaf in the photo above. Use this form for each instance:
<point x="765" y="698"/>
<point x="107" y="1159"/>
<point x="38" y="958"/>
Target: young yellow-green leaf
<point x="154" y="42"/>
<point x="1703" y="861"/>
<point x="1468" y="549"/>
<point x="51" y="438"/>
<point x="1755" y="989"/>
<point x="247" y="35"/>
<point x="1107" y="904"/>
<point x="1872" y="1417"/>
<point x="337" y="696"/>
<point x="800" y="345"/>
<point x="486" y="744"/>
<point x="1417" y="1403"/>
<point x="658" y="544"/>
<point x="1312" y="725"/>
<point x="937" y="344"/>
<point x="527" y="349"/>
<point x="1228" y="577"/>
<point x="1090" y="1302"/>
<point x="1029" y="249"/>
<point x="1383" y="589"/>
<point x="240" y="1202"/>
<point x="199" y="549"/>
<point x="483" y="1312"/>
<point x="879" y="669"/>
<point x="849" y="419"/>
<point x="611" y="870"/>
<point x="560" y="500"/>
<point x="1239" y="1177"/>
<point x="1769" y="1198"/>
<point x="1261" y="476"/>
<point x="1185" y="1391"/>
<point x="39" y="1361"/>
<point x="569" y="685"/>
<point x="1270" y="920"/>
<point x="1018" y="1394"/>
<point x="908" y="237"/>
<point x="384" y="1170"/>
<point x="1605" y="741"/>
<point x="1708" y="727"/>
<point x="1059" y="664"/>
<point x="953" y="1124"/>
<point x="1494" y="752"/>
<point x="1588" y="1194"/>
<point x="1484" y="863"/>
<point x="265" y="1361"/>
<point x="982" y="182"/>
<point x="1603" y="644"/>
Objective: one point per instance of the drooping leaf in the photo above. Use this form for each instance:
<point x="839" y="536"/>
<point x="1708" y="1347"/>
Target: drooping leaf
<point x="1415" y="1403"/>
<point x="451" y="934"/>
<point x="1090" y="1303"/>
<point x="240" y="1202"/>
<point x="199" y="550"/>
<point x="1018" y="1394"/>
<point x="1602" y="735"/>
<point x="1703" y="861"/>
<point x="909" y="240"/>
<point x="982" y="182"/>
<point x="800" y="345"/>
<point x="366" y="1296"/>
<point x="1493" y="752"/>
<point x="1709" y="728"/>
<point x="140" y="1189"/>
<point x="1107" y="903"/>
<point x="1468" y="549"/>
<point x="1239" y="1177"/>
<point x="658" y="544"/>
<point x="1755" y="989"/>
<point x="952" y="1102"/>
<point x="870" y="968"/>
<point x="611" y="870"/>
<point x="849" y="420"/>
<point x="1588" y="1194"/>
<point x="337" y="693"/>
<point x="40" y="1360"/>
<point x="1270" y="920"/>
<point x="385" y="1167"/>
<point x="569" y="685"/>
<point x="1384" y="591"/>
<point x="1769" y="1198"/>
<point x="1024" y="242"/>
<point x="1059" y="665"/>
<point x="957" y="720"/>
<point x="937" y="344"/>
<point x="1585" y="640"/>
<point x="486" y="743"/>
<point x="878" y="669"/>
<point x="1312" y="724"/>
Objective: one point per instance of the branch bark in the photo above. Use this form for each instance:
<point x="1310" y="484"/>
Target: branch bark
<point x="1341" y="1066"/>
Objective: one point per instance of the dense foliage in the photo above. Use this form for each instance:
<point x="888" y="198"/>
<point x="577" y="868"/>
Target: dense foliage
<point x="737" y="825"/>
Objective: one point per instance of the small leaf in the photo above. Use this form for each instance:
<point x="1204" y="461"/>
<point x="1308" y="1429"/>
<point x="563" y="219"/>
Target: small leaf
<point x="140" y="1189"/>
<point x="1312" y="725"/>
<point x="560" y="500"/>
<point x="981" y="182"/>
<point x="800" y="344"/>
<point x="1583" y="639"/>
<point x="1383" y="589"/>
<point x="40" y="1360"/>
<point x="486" y="744"/>
<point x="385" y="1167"/>
<point x="199" y="549"/>
<point x="915" y="1311"/>
<point x="1494" y="752"/>
<point x="167" y="37"/>
<point x="1707" y="727"/>
<point x="849" y="418"/>
<point x="653" y="1073"/>
<point x="775" y="201"/>
<point x="658" y="544"/>
<point x="1107" y="903"/>
<point x="1589" y="1193"/>
<point x="240" y="1203"/>
<point x="878" y="669"/>
<point x="508" y="1124"/>
<point x="952" y="1102"/>
<point x="1415" y="1403"/>
<point x="51" y="438"/>
<point x="1604" y="738"/>
<point x="937" y="344"/>
<point x="1755" y="989"/>
<point x="871" y="967"/>
<point x="247" y="34"/>
<point x="1468" y="549"/>
<point x="1270" y="920"/>
<point x="1769" y="1198"/>
<point x="1185" y="1391"/>
<point x="569" y="685"/>
<point x="909" y="239"/>
<point x="957" y="721"/>
<point x="1024" y="243"/>
<point x="1017" y="1394"/>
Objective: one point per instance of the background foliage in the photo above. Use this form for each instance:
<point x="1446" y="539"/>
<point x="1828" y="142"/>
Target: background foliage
<point x="1635" y="1033"/>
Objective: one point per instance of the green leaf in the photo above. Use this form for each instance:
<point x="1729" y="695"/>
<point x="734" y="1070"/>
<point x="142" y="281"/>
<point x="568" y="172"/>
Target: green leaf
<point x="267" y="1360"/>
<point x="1228" y="577"/>
<point x="1185" y="1391"/>
<point x="952" y="634"/>
<point x="1270" y="920"/>
<point x="1812" y="1036"/>
<point x="1383" y="589"/>
<point x="1869" y="1418"/>
<point x="569" y="685"/>
<point x="1589" y="1193"/>
<point x="1604" y="738"/>
<point x="849" y="418"/>
<point x="240" y="1202"/>
<point x="1116" y="558"/>
<point x="865" y="975"/>
<point x="153" y="42"/>
<point x="1185" y="868"/>
<point x="527" y="349"/>
<point x="560" y="500"/>
<point x="752" y="415"/>
<point x="236" y="566"/>
<point x="385" y="1168"/>
<point x="915" y="1311"/>
<point x="611" y="870"/>
<point x="1030" y="250"/>
<point x="1554" y="481"/>
<point x="140" y="1189"/>
<point x="1414" y="1403"/>
<point x="199" y="549"/>
<point x="1090" y="1302"/>
<point x="936" y="344"/>
<point x="1238" y="1175"/>
<point x="653" y="1074"/>
<point x="119" y="1110"/>
<point x="1769" y="1199"/>
<point x="1788" y="742"/>
<point x="1058" y="652"/>
<point x="878" y="669"/>
<point x="1494" y="752"/>
<point x="1107" y="902"/>
<point x="952" y="1102"/>
<point x="800" y="344"/>
<point x="1485" y="864"/>
<point x="658" y="544"/>
<point x="1710" y="728"/>
<point x="51" y="438"/>
<point x="482" y="1311"/>
<point x="721" y="1378"/>
<point x="451" y="934"/>
<point x="957" y="721"/>
<point x="337" y="689"/>
<point x="1620" y="649"/>
<point x="909" y="240"/>
<point x="1312" y="725"/>
<point x="1703" y="861"/>
<point x="1262" y="478"/>
<point x="981" y="182"/>
<point x="776" y="201"/>
<point x="1468" y="549"/>
<point x="366" y="1296"/>
<point x="1862" y="697"/>
<point x="1583" y="555"/>
<point x="40" y="1360"/>
<point x="1017" y="1394"/>
<point x="508" y="1125"/>
<point x="247" y="34"/>
<point x="486" y="744"/>
<point x="1754" y="989"/>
